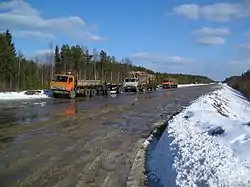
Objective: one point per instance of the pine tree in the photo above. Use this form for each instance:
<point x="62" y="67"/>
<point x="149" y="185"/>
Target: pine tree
<point x="17" y="72"/>
<point x="10" y="65"/>
<point x="58" y="61"/>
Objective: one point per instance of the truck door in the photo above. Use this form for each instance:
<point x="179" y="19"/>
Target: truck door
<point x="70" y="84"/>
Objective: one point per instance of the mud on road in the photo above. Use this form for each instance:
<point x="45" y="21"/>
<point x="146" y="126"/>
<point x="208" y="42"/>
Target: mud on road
<point x="95" y="147"/>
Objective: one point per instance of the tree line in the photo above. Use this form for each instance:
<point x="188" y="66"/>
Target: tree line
<point x="20" y="73"/>
<point x="240" y="83"/>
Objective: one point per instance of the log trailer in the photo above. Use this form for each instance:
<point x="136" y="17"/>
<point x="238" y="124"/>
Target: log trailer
<point x="138" y="81"/>
<point x="69" y="85"/>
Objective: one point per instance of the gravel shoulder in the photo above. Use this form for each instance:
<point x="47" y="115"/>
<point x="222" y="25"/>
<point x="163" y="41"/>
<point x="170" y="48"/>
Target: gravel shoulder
<point x="94" y="148"/>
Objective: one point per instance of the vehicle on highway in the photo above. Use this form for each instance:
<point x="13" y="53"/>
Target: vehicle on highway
<point x="138" y="81"/>
<point x="169" y="83"/>
<point x="114" y="88"/>
<point x="68" y="84"/>
<point x="130" y="84"/>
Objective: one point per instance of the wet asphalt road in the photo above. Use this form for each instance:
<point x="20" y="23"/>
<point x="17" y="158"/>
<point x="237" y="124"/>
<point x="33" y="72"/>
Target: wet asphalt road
<point x="22" y="112"/>
<point x="82" y="143"/>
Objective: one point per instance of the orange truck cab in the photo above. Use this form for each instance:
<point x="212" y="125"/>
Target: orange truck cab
<point x="63" y="84"/>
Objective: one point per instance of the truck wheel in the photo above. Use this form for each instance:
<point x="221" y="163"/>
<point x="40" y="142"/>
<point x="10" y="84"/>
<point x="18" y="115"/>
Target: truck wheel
<point x="87" y="92"/>
<point x="72" y="94"/>
<point x="105" y="92"/>
<point x="93" y="92"/>
<point x="55" y="95"/>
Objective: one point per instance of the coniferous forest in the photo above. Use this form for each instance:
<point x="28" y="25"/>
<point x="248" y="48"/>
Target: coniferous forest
<point x="240" y="83"/>
<point x="19" y="73"/>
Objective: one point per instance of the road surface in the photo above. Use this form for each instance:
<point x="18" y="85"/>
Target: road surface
<point x="90" y="145"/>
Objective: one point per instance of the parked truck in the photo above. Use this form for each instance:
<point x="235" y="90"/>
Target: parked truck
<point x="169" y="83"/>
<point x="69" y="85"/>
<point x="138" y="81"/>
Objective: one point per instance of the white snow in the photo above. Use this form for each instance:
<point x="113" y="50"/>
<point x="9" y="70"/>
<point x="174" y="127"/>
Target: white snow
<point x="189" y="85"/>
<point x="221" y="160"/>
<point x="22" y="95"/>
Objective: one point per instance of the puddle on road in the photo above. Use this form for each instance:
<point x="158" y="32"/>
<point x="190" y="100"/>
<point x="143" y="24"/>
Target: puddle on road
<point x="40" y="110"/>
<point x="27" y="112"/>
<point x="15" y="113"/>
<point x="69" y="110"/>
<point x="6" y="139"/>
<point x="159" y="162"/>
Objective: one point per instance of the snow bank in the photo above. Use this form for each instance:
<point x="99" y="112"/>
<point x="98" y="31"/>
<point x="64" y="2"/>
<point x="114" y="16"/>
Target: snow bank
<point x="189" y="85"/>
<point x="23" y="96"/>
<point x="202" y="158"/>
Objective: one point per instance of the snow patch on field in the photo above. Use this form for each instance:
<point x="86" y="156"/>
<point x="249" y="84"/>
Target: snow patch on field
<point x="210" y="141"/>
<point x="40" y="94"/>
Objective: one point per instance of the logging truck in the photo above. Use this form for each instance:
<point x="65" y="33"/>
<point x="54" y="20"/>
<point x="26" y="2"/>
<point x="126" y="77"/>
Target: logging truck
<point x="138" y="81"/>
<point x="169" y="83"/>
<point x="69" y="85"/>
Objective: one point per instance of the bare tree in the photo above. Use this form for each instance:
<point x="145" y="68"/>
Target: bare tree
<point x="95" y="59"/>
<point x="19" y="58"/>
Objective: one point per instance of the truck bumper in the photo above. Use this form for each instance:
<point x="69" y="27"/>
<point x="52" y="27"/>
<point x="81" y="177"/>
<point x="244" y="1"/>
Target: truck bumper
<point x="130" y="88"/>
<point x="60" y="92"/>
<point x="166" y="86"/>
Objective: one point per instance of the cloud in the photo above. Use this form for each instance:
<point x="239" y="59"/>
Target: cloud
<point x="245" y="62"/>
<point x="220" y="12"/>
<point x="44" y="52"/>
<point x="212" y="31"/>
<point x="42" y="55"/>
<point x="247" y="34"/>
<point x="89" y="36"/>
<point x="25" y="34"/>
<point x="211" y="40"/>
<point x="18" y="15"/>
<point x="155" y="58"/>
<point x="245" y="46"/>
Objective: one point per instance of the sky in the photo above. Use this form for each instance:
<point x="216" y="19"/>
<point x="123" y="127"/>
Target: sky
<point x="207" y="37"/>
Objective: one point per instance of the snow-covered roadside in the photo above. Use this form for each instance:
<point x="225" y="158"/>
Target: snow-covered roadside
<point x="189" y="85"/>
<point x="41" y="94"/>
<point x="210" y="142"/>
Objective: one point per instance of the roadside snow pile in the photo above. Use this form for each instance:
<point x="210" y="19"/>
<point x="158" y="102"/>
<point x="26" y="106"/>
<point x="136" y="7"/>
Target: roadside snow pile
<point x="38" y="94"/>
<point x="189" y="85"/>
<point x="211" y="141"/>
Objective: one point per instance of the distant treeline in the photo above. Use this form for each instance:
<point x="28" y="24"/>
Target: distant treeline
<point x="20" y="73"/>
<point x="240" y="83"/>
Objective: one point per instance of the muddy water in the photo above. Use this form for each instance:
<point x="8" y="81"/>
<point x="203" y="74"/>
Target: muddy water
<point x="31" y="111"/>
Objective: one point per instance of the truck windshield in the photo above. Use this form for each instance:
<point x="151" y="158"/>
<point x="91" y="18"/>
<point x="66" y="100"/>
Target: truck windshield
<point x="130" y="80"/>
<point x="60" y="78"/>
